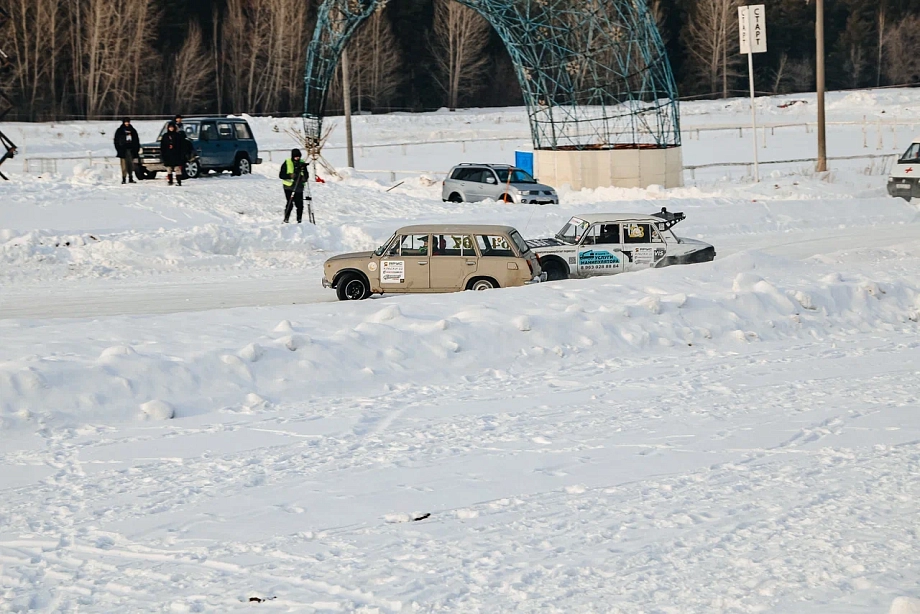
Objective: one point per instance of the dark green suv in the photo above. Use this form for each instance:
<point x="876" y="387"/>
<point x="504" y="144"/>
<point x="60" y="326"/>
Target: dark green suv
<point x="218" y="144"/>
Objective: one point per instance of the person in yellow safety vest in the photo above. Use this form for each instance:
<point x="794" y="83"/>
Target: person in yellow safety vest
<point x="293" y="174"/>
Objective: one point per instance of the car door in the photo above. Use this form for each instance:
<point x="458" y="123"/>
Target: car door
<point x="473" y="184"/>
<point x="404" y="268"/>
<point x="600" y="251"/>
<point x="642" y="245"/>
<point x="209" y="145"/>
<point x="453" y="261"/>
<point x="489" y="185"/>
<point x="227" y="142"/>
<point x="498" y="261"/>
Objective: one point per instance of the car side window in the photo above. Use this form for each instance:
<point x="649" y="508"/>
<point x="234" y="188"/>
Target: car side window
<point x="463" y="174"/>
<point x="640" y="233"/>
<point x="225" y="131"/>
<point x="488" y="176"/>
<point x="475" y="175"/>
<point x="208" y="132"/>
<point x="452" y="245"/>
<point x="242" y="131"/>
<point x="608" y="233"/>
<point x="414" y="245"/>
<point x="494" y="245"/>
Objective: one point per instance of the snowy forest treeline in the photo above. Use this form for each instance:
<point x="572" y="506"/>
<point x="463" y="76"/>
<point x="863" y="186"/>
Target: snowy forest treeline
<point x="97" y="58"/>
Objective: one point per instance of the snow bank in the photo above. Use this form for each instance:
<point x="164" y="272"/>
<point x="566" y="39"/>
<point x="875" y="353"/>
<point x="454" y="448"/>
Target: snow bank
<point x="748" y="298"/>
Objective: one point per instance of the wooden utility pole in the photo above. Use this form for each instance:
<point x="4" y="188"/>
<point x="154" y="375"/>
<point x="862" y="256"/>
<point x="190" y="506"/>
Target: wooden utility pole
<point x="819" y="74"/>
<point x="346" y="99"/>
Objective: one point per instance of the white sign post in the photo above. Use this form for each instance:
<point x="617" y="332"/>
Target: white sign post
<point x="752" y="29"/>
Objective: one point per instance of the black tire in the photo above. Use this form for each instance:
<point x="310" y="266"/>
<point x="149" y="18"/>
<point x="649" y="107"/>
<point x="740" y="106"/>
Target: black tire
<point x="479" y="284"/>
<point x="506" y="198"/>
<point x="140" y="172"/>
<point x="191" y="170"/>
<point x="242" y="166"/>
<point x="352" y="287"/>
<point x="454" y="198"/>
<point x="555" y="270"/>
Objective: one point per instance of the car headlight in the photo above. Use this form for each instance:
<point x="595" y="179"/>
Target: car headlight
<point x="529" y="192"/>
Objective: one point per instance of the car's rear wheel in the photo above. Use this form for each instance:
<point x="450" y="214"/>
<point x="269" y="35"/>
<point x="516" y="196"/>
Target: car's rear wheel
<point x="242" y="166"/>
<point x="554" y="270"/>
<point x="352" y="287"/>
<point x="192" y="169"/>
<point x="454" y="198"/>
<point x="482" y="283"/>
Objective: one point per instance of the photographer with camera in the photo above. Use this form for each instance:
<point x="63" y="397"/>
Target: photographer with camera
<point x="294" y="174"/>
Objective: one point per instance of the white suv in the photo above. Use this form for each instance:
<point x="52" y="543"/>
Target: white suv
<point x="473" y="182"/>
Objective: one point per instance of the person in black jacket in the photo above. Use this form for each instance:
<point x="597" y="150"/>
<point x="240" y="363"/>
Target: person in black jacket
<point x="128" y="147"/>
<point x="171" y="153"/>
<point x="293" y="174"/>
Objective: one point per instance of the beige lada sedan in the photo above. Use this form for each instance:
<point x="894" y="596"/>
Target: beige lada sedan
<point x="435" y="258"/>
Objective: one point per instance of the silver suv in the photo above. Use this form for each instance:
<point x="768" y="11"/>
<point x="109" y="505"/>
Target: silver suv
<point x="473" y="182"/>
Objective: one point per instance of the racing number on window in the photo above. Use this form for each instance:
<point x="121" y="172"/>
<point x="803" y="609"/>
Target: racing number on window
<point x="494" y="245"/>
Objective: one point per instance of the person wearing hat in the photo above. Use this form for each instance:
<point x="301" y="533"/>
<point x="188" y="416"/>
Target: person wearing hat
<point x="127" y="147"/>
<point x="293" y="175"/>
<point x="171" y="153"/>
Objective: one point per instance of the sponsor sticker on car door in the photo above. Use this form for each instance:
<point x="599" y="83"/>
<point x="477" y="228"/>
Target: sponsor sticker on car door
<point x="392" y="271"/>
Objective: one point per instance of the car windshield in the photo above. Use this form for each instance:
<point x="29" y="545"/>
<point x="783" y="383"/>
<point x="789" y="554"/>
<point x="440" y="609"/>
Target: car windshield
<point x="571" y="233"/>
<point x="379" y="251"/>
<point x="517" y="176"/>
<point x="191" y="129"/>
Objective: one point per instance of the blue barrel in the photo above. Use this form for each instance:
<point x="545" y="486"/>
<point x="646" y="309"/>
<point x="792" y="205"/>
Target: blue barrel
<point x="524" y="161"/>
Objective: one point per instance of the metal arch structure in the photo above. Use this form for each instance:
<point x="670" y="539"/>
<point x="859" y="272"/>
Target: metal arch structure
<point x="594" y="73"/>
<point x="5" y="104"/>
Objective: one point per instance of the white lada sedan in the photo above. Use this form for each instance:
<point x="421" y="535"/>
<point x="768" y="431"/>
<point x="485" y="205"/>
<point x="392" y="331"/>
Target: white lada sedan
<point x="608" y="243"/>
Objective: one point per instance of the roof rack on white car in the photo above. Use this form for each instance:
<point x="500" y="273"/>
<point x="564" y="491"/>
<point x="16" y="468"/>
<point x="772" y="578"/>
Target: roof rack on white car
<point x="670" y="219"/>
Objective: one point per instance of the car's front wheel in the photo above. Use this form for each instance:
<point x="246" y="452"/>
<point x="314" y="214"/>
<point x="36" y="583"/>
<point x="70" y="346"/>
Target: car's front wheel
<point x="192" y="169"/>
<point x="242" y="166"/>
<point x="352" y="287"/>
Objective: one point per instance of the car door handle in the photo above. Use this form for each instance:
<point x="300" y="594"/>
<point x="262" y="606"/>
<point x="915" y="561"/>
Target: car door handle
<point x="471" y="262"/>
<point x="423" y="262"/>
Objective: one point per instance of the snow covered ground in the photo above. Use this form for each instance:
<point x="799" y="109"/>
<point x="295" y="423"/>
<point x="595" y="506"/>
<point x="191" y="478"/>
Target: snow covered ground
<point x="188" y="422"/>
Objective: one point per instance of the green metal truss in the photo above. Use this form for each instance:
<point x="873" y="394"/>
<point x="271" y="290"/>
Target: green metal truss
<point x="594" y="73"/>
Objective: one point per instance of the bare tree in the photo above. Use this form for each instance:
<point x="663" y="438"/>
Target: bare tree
<point x="189" y="78"/>
<point x="711" y="38"/>
<point x="459" y="38"/>
<point x="902" y="46"/>
<point x="882" y="18"/>
<point x="34" y="29"/>
<point x="263" y="52"/>
<point x="110" y="42"/>
<point x="374" y="64"/>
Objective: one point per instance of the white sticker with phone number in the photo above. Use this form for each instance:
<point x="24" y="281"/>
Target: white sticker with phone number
<point x="392" y="272"/>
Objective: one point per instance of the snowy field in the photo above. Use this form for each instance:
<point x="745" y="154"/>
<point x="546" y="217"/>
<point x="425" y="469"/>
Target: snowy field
<point x="190" y="423"/>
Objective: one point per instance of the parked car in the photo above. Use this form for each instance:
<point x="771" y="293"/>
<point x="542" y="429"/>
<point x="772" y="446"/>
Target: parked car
<point x="218" y="144"/>
<point x="903" y="180"/>
<point x="435" y="258"/>
<point x="609" y="243"/>
<point x="469" y="183"/>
